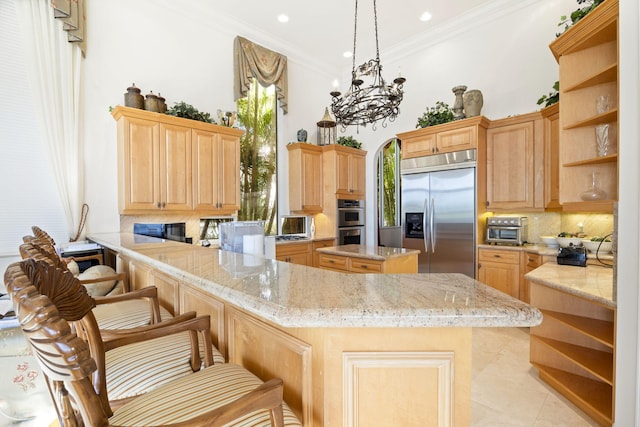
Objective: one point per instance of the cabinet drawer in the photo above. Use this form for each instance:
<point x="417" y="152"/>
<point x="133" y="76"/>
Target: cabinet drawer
<point x="359" y="265"/>
<point x="292" y="248"/>
<point x="532" y="260"/>
<point x="323" y="244"/>
<point x="494" y="255"/>
<point x="333" y="262"/>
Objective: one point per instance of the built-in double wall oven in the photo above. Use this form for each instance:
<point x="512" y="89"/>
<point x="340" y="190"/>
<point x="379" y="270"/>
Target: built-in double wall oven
<point x="350" y="222"/>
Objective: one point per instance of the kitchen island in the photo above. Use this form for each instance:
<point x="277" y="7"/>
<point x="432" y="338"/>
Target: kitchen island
<point x="352" y="349"/>
<point x="368" y="259"/>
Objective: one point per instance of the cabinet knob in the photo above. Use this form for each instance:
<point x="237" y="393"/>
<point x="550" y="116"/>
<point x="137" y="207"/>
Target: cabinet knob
<point x="497" y="256"/>
<point x="363" y="266"/>
<point x="158" y="205"/>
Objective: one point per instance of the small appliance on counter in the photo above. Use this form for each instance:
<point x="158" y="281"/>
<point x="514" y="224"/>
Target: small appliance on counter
<point x="295" y="226"/>
<point x="174" y="231"/>
<point x="573" y="255"/>
<point x="507" y="230"/>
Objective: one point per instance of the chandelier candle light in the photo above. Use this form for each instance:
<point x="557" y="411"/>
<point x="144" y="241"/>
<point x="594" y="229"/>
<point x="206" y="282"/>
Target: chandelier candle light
<point x="361" y="104"/>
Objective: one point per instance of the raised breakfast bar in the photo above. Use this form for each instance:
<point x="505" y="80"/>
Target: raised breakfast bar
<point x="352" y="349"/>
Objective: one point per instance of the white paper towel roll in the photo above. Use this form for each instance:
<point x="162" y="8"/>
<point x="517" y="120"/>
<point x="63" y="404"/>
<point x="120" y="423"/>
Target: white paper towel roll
<point x="253" y="244"/>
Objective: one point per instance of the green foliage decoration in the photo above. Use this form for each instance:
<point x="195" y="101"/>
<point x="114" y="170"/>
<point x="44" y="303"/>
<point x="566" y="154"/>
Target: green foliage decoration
<point x="577" y="14"/>
<point x="552" y="97"/>
<point x="187" y="111"/>
<point x="349" y="141"/>
<point x="437" y="115"/>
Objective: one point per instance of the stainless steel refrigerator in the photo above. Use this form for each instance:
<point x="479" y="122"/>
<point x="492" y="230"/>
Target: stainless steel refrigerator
<point x="439" y="211"/>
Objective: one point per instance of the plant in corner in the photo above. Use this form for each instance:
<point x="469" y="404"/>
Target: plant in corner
<point x="577" y="14"/>
<point x="187" y="111"/>
<point x="439" y="114"/>
<point x="552" y="97"/>
<point x="349" y="141"/>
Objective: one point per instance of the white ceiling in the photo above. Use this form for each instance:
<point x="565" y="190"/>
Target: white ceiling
<point x="322" y="31"/>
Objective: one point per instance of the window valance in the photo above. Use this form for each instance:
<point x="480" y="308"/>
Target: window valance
<point x="268" y="67"/>
<point x="72" y="14"/>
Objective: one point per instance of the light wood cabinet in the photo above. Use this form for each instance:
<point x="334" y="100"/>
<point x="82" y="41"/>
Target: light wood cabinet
<point x="574" y="350"/>
<point x="158" y="167"/>
<point x="551" y="120"/>
<point x="317" y="244"/>
<point x="528" y="262"/>
<point x="216" y="172"/>
<point x="588" y="57"/>
<point x="500" y="269"/>
<point x="402" y="264"/>
<point x="515" y="166"/>
<point x="454" y="136"/>
<point x="155" y="165"/>
<point x="305" y="178"/>
<point x="344" y="171"/>
<point x="296" y="253"/>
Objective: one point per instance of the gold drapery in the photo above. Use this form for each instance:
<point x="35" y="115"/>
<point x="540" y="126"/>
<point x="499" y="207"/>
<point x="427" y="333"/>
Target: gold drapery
<point x="72" y="14"/>
<point x="268" y="67"/>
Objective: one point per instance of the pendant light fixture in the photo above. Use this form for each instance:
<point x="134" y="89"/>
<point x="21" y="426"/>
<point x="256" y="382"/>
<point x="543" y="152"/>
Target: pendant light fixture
<point x="367" y="104"/>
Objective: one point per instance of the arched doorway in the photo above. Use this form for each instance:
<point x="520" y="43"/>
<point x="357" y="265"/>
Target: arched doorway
<point x="388" y="231"/>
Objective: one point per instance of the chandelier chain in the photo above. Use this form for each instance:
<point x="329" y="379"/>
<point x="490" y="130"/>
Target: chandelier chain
<point x="355" y="31"/>
<point x="375" y="21"/>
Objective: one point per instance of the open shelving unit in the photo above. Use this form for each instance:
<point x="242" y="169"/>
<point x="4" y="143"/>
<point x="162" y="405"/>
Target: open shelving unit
<point x="574" y="349"/>
<point x="588" y="57"/>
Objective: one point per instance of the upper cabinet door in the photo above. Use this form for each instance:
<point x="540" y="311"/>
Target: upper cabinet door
<point x="139" y="164"/>
<point x="216" y="172"/>
<point x="175" y="167"/>
<point x="514" y="163"/>
<point x="229" y="178"/>
<point x="305" y="178"/>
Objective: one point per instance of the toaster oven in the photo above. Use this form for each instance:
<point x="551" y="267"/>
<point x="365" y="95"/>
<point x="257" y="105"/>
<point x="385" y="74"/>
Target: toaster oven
<point x="507" y="230"/>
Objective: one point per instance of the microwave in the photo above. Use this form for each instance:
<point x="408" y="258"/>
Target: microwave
<point x="507" y="230"/>
<point x="297" y="225"/>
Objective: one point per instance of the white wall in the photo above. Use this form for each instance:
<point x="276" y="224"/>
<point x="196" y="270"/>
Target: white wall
<point x="186" y="54"/>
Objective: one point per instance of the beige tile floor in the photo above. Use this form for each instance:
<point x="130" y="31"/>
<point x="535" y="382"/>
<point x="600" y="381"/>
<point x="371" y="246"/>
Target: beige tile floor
<point x="506" y="390"/>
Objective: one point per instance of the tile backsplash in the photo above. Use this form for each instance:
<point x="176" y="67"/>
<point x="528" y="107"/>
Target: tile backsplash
<point x="552" y="223"/>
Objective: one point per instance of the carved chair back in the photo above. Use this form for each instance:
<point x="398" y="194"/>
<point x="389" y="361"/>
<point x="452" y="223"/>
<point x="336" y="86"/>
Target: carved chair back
<point x="46" y="298"/>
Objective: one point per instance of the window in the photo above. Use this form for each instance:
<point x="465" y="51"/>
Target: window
<point x="258" y="154"/>
<point x="388" y="184"/>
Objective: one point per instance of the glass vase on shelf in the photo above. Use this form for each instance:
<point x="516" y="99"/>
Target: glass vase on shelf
<point x="602" y="140"/>
<point x="593" y="192"/>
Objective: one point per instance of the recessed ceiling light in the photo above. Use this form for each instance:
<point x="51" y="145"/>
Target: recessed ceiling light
<point x="347" y="54"/>
<point x="283" y="18"/>
<point x="425" y="17"/>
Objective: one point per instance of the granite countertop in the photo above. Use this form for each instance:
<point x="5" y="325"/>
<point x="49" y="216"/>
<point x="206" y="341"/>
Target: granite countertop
<point x="292" y="295"/>
<point x="380" y="253"/>
<point x="594" y="283"/>
<point x="544" y="250"/>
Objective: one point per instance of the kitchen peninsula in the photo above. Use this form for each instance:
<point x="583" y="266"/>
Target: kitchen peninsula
<point x="352" y="349"/>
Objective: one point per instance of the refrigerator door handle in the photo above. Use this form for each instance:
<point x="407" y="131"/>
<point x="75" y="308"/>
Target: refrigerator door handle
<point x="424" y="225"/>
<point x="432" y="229"/>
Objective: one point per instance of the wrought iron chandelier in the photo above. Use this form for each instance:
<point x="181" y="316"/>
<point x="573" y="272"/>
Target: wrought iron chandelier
<point x="361" y="104"/>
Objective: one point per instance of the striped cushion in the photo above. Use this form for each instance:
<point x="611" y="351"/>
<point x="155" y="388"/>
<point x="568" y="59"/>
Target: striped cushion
<point x="138" y="368"/>
<point x="126" y="314"/>
<point x="195" y="394"/>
